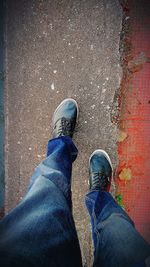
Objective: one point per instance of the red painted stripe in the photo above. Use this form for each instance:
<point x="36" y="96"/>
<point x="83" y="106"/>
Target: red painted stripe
<point x="134" y="151"/>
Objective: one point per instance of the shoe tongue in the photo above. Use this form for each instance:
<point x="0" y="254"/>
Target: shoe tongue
<point x="97" y="165"/>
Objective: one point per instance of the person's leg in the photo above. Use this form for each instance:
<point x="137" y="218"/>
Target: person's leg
<point x="116" y="241"/>
<point x="40" y="231"/>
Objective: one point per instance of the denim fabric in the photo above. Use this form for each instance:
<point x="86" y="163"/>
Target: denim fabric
<point x="40" y="231"/>
<point x="116" y="241"/>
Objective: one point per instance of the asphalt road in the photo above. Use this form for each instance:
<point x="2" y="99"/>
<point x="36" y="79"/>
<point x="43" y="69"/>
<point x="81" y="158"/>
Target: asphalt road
<point x="54" y="50"/>
<point x="2" y="55"/>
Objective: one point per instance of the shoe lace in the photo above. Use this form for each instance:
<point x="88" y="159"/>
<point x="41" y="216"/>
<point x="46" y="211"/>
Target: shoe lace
<point x="65" y="127"/>
<point x="101" y="180"/>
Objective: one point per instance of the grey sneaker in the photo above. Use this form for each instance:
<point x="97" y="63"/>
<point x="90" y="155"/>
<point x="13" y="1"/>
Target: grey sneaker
<point x="64" y="118"/>
<point x="100" y="169"/>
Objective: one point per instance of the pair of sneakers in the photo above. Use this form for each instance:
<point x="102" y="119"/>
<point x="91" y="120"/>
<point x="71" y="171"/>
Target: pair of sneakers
<point x="100" y="166"/>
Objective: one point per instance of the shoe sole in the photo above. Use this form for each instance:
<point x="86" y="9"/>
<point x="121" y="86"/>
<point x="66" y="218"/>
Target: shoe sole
<point x="62" y="103"/>
<point x="106" y="156"/>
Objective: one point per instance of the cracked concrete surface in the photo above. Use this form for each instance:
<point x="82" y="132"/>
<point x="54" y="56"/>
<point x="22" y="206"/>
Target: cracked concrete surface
<point x="54" y="50"/>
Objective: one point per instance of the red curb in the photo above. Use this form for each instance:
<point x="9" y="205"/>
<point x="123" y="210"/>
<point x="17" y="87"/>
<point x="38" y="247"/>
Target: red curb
<point x="133" y="174"/>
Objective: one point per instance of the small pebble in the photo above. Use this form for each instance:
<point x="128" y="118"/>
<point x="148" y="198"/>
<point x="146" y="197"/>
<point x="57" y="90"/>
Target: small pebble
<point x="52" y="86"/>
<point x="107" y="107"/>
<point x="92" y="47"/>
<point x="93" y="106"/>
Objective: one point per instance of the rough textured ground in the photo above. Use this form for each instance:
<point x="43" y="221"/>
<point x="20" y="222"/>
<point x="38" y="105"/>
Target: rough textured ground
<point x="58" y="49"/>
<point x="1" y="107"/>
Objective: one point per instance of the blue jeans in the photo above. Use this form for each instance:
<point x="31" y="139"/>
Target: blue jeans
<point x="40" y="231"/>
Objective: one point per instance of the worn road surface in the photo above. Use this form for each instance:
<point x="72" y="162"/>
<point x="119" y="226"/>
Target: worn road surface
<point x="54" y="50"/>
